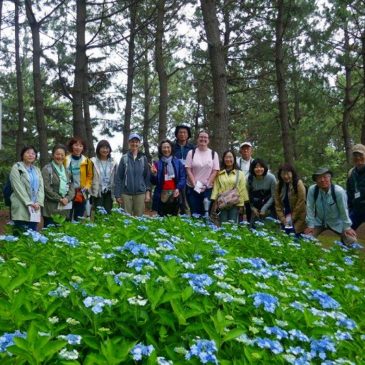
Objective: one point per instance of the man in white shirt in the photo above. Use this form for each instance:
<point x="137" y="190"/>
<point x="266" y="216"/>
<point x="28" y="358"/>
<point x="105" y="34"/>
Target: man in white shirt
<point x="244" y="162"/>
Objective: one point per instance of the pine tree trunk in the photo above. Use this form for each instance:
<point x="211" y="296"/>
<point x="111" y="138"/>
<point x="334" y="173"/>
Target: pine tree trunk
<point x="346" y="115"/>
<point x="219" y="123"/>
<point x="363" y="86"/>
<point x="161" y="71"/>
<point x="281" y="85"/>
<point x="86" y="106"/>
<point x="130" y="75"/>
<point x="79" y="128"/>
<point x="37" y="81"/>
<point x="19" y="84"/>
<point x="147" y="103"/>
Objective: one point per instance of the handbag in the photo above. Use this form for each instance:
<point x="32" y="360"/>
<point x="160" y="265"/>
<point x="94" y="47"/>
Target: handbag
<point x="229" y="198"/>
<point x="79" y="196"/>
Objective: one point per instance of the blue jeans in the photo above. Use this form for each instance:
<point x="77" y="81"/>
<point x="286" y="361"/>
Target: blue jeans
<point x="196" y="201"/>
<point x="229" y="215"/>
<point x="22" y="226"/>
<point x="77" y="211"/>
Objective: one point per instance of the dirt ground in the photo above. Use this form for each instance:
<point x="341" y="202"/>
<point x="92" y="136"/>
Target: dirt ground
<point x="4" y="218"/>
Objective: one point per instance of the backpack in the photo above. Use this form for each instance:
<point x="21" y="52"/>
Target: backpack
<point x="315" y="196"/>
<point x="8" y="190"/>
<point x="193" y="153"/>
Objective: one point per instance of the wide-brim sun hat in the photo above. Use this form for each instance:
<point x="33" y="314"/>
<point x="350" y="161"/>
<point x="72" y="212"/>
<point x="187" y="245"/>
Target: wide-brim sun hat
<point x="321" y="171"/>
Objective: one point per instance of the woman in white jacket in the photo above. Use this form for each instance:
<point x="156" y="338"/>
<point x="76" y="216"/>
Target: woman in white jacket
<point x="102" y="189"/>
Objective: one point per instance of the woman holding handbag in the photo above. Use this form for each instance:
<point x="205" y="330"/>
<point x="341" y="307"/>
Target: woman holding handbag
<point x="229" y="190"/>
<point x="169" y="176"/>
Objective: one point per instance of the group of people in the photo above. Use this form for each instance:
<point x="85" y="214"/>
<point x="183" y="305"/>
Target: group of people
<point x="186" y="177"/>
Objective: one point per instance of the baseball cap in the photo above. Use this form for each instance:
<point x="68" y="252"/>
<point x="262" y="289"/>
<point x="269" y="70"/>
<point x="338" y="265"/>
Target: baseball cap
<point x="134" y="135"/>
<point x="246" y="144"/>
<point x="359" y="148"/>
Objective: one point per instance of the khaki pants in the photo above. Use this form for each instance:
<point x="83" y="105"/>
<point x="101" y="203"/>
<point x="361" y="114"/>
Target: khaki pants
<point x="347" y="240"/>
<point x="134" y="204"/>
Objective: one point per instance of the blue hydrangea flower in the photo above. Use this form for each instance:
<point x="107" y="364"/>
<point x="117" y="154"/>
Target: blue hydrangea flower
<point x="324" y="299"/>
<point x="8" y="238"/>
<point x="137" y="249"/>
<point x="178" y="260"/>
<point x="298" y="335"/>
<point x="320" y="347"/>
<point x="348" y="261"/>
<point x="278" y="332"/>
<point x="71" y="339"/>
<point x="107" y="255"/>
<point x="162" y="361"/>
<point x="274" y="346"/>
<point x="139" y="263"/>
<point x="199" y="282"/>
<point x="352" y="287"/>
<point x="7" y="339"/>
<point x="165" y="246"/>
<point x="346" y="322"/>
<point x="268" y="301"/>
<point x="343" y="336"/>
<point x="60" y="292"/>
<point x="197" y="257"/>
<point x="101" y="210"/>
<point x="96" y="303"/>
<point x="204" y="350"/>
<point x="141" y="350"/>
<point x="36" y="236"/>
<point x="68" y="240"/>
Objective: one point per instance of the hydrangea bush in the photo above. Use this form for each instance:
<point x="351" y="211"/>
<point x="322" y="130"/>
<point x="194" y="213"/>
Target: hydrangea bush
<point x="178" y="291"/>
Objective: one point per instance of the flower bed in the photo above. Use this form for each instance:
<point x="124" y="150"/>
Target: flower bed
<point x="177" y="291"/>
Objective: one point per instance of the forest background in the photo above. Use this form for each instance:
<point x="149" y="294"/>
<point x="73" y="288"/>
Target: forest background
<point x="287" y="75"/>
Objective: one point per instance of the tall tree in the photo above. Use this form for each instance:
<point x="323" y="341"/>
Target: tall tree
<point x="216" y="51"/>
<point x="79" y="127"/>
<point x="161" y="70"/>
<point x="19" y="82"/>
<point x="130" y="73"/>
<point x="281" y="22"/>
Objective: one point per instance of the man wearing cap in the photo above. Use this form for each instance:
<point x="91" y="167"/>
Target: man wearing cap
<point x="132" y="180"/>
<point x="356" y="186"/>
<point x="181" y="149"/>
<point x="244" y="162"/>
<point x="327" y="208"/>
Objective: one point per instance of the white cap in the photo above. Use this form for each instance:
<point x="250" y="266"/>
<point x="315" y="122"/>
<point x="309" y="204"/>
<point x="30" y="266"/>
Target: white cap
<point x="246" y="144"/>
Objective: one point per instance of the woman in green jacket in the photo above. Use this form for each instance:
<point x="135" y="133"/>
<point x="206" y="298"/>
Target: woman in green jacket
<point x="58" y="189"/>
<point x="28" y="193"/>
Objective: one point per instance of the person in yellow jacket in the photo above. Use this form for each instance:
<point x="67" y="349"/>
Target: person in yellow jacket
<point x="226" y="180"/>
<point x="81" y="171"/>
